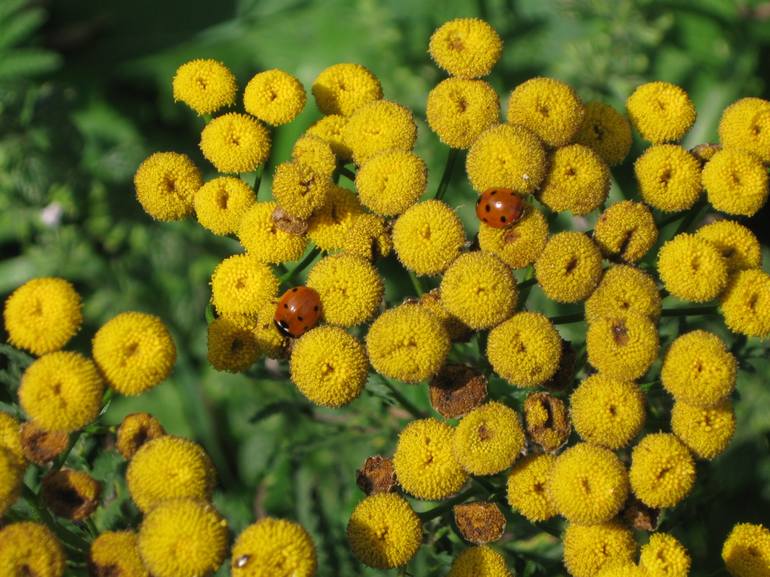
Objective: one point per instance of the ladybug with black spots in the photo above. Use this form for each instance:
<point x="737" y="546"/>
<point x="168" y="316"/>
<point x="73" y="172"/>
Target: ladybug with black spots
<point x="500" y="207"/>
<point x="299" y="310"/>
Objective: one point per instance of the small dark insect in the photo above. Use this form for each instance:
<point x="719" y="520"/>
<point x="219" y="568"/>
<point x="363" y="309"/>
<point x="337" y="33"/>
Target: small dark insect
<point x="499" y="207"/>
<point x="298" y="311"/>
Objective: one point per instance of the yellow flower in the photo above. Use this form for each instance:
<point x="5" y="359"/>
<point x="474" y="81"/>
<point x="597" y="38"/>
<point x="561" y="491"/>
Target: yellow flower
<point x="699" y="369"/>
<point x="588" y="484"/>
<point x="241" y="284"/>
<point x="264" y="240"/>
<point x="391" y="181"/>
<point x="622" y="289"/>
<point x="626" y="230"/>
<point x="527" y="487"/>
<point x="660" y="111"/>
<point x="316" y="153"/>
<point x="669" y="177"/>
<point x="745" y="125"/>
<point x="117" y="553"/>
<point x="329" y="366"/>
<point x="517" y="246"/>
<point x="61" y="391"/>
<point x="11" y="479"/>
<point x="369" y="237"/>
<point x="525" y="350"/>
<point x="662" y="470"/>
<point x="590" y="548"/>
<point x="482" y="561"/>
<point x="183" y="537"/>
<point x="329" y="128"/>
<point x="274" y="96"/>
<point x="606" y="131"/>
<point x="569" y="268"/>
<point x="29" y="548"/>
<point x="344" y="88"/>
<point x="204" y="85"/>
<point x="235" y="142"/>
<point x="746" y="551"/>
<point x="134" y="431"/>
<point x="169" y="467"/>
<point x="42" y="315"/>
<point x="736" y="182"/>
<point x="166" y="183"/>
<point x="488" y="439"/>
<point x="274" y="548"/>
<point x="299" y="189"/>
<point x="736" y="243"/>
<point x="606" y="411"/>
<point x="407" y="343"/>
<point x="134" y="351"/>
<point x="705" y="431"/>
<point x="384" y="532"/>
<point x="578" y="180"/>
<point x="221" y="203"/>
<point x="378" y="126"/>
<point x="465" y="47"/>
<point x="458" y="110"/>
<point x="455" y="328"/>
<point x="232" y="347"/>
<point x="428" y="237"/>
<point x="745" y="305"/>
<point x="622" y="570"/>
<point x="331" y="226"/>
<point x="692" y="268"/>
<point x="10" y="436"/>
<point x="664" y="556"/>
<point x="350" y="289"/>
<point x="506" y="156"/>
<point x="622" y="347"/>
<point x="425" y="463"/>
<point x="272" y="343"/>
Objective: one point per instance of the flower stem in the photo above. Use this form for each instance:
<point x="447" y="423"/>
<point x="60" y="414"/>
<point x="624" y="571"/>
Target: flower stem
<point x="309" y="258"/>
<point x="403" y="401"/>
<point x="689" y="311"/>
<point x="418" y="288"/>
<point x="447" y="176"/>
<point x="447" y="505"/>
<point x="568" y="319"/>
<point x="347" y="173"/>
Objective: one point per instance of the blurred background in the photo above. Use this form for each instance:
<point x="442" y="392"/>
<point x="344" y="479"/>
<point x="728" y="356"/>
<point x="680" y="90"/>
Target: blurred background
<point x="85" y="96"/>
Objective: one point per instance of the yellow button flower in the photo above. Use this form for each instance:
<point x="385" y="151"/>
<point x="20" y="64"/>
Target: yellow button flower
<point x="746" y="551"/>
<point x="117" y="552"/>
<point x="369" y="237"/>
<point x="578" y="180"/>
<point x="183" y="537"/>
<point x="134" y="431"/>
<point x="42" y="315"/>
<point x="706" y="431"/>
<point x="232" y="347"/>
<point x="588" y="484"/>
<point x="221" y="203"/>
<point x="329" y="366"/>
<point x="569" y="268"/>
<point x="241" y="284"/>
<point x="379" y="126"/>
<point x="606" y="131"/>
<point x="134" y="352"/>
<point x="331" y="225"/>
<point x="626" y="230"/>
<point x="506" y="156"/>
<point x="745" y="125"/>
<point x="350" y="289"/>
<point x="745" y="304"/>
<point x="169" y="467"/>
<point x="549" y="108"/>
<point x="664" y="556"/>
<point x="384" y="532"/>
<point x="590" y="548"/>
<point x="622" y="347"/>
<point x="61" y="391"/>
<point x="270" y="340"/>
<point x="274" y="96"/>
<point x="607" y="412"/>
<point x="425" y="463"/>
<point x="736" y="182"/>
<point x="316" y="153"/>
<point x="166" y="183"/>
<point x="264" y="240"/>
<point x="330" y="128"/>
<point x="407" y="343"/>
<point x="488" y="439"/>
<point x="344" y="88"/>
<point x="735" y="242"/>
<point x="661" y="111"/>
<point x="517" y="246"/>
<point x="622" y="570"/>
<point x="527" y="487"/>
<point x="465" y="47"/>
<point x="525" y="350"/>
<point x="692" y="268"/>
<point x="428" y="237"/>
<point x="669" y="177"/>
<point x="274" y="548"/>
<point x="235" y="143"/>
<point x="624" y="289"/>
<point x="204" y="85"/>
<point x="391" y="181"/>
<point x="455" y="328"/>
<point x="299" y="189"/>
<point x="458" y="110"/>
<point x="29" y="548"/>
<point x="699" y="369"/>
<point x="11" y="479"/>
<point x="10" y="436"/>
<point x="662" y="470"/>
<point x="482" y="561"/>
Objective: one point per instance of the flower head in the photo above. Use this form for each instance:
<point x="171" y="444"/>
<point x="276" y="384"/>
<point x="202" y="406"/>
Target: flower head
<point x="457" y="330"/>
<point x="344" y="88"/>
<point x="379" y="126"/>
<point x="274" y="548"/>
<point x="11" y="479"/>
<point x="745" y="125"/>
<point x="204" y="85"/>
<point x="232" y="347"/>
<point x="28" y="548"/>
<point x="660" y="111"/>
<point x="606" y="131"/>
<point x="369" y="237"/>
<point x="329" y="129"/>
<point x="264" y="240"/>
<point x="41" y="446"/>
<point x="626" y="230"/>
<point x="391" y="181"/>
<point x="549" y="108"/>
<point x="622" y="347"/>
<point x="331" y="226"/>
<point x="465" y="47"/>
<point x="116" y="552"/>
<point x="270" y="340"/>
<point x="519" y="245"/>
<point x="220" y="204"/>
<point x="42" y="315"/>
<point x="622" y="289"/>
<point x="735" y="242"/>
<point x="662" y="470"/>
<point x="299" y="189"/>
<point x="692" y="268"/>
<point x="274" y="96"/>
<point x="547" y="421"/>
<point x="706" y="431"/>
<point x="458" y="110"/>
<point x="669" y="177"/>
<point x="316" y="153"/>
<point x="241" y="284"/>
<point x="235" y="142"/>
<point x="578" y="180"/>
<point x="569" y="268"/>
<point x="488" y="439"/>
<point x="527" y="487"/>
<point x="481" y="561"/>
<point x="745" y="304"/>
<point x="166" y="183"/>
<point x="736" y="182"/>
<point x="664" y="556"/>
<point x="590" y="548"/>
<point x="10" y="436"/>
<point x="134" y="431"/>
<point x="71" y="494"/>
<point x="746" y="551"/>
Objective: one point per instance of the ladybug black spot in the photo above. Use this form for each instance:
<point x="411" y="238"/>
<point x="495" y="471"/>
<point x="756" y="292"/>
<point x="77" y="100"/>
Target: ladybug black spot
<point x="285" y="305"/>
<point x="295" y="289"/>
<point x="503" y="219"/>
<point x="300" y="319"/>
<point x="493" y="193"/>
<point x="485" y="219"/>
<point x="487" y="208"/>
<point x="315" y="308"/>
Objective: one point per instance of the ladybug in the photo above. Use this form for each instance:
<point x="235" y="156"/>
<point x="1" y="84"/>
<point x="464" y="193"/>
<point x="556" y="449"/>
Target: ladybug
<point x="298" y="311"/>
<point x="499" y="207"/>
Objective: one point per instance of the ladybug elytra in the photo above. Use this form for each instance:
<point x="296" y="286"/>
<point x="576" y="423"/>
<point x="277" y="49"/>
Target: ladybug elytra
<point x="298" y="311"/>
<point x="499" y="207"/>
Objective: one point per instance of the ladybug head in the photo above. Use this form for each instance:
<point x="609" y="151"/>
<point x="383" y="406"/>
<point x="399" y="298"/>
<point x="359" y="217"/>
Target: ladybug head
<point x="283" y="328"/>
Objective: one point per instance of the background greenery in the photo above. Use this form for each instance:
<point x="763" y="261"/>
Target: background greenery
<point x="85" y="96"/>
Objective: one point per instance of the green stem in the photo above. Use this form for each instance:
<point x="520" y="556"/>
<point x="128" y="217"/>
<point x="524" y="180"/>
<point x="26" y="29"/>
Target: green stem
<point x="309" y="258"/>
<point x="347" y="173"/>
<point x="416" y="284"/>
<point x="690" y="217"/>
<point x="447" y="176"/>
<point x="568" y="319"/>
<point x="689" y="311"/>
<point x="447" y="505"/>
<point x="258" y="180"/>
<point x="489" y="487"/>
<point x="403" y="401"/>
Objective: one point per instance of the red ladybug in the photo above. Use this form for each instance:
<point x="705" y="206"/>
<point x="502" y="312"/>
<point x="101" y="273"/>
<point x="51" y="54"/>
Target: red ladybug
<point x="499" y="207"/>
<point x="298" y="311"/>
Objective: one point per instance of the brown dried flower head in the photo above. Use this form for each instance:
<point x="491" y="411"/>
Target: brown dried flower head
<point x="71" y="494"/>
<point x="377" y="475"/>
<point x="479" y="522"/>
<point x="135" y="430"/>
<point x="456" y="390"/>
<point x="40" y="446"/>
<point x="547" y="420"/>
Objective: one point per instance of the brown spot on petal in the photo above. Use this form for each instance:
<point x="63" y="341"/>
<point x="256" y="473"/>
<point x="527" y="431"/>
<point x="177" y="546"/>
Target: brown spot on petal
<point x="288" y="223"/>
<point x="40" y="446"/>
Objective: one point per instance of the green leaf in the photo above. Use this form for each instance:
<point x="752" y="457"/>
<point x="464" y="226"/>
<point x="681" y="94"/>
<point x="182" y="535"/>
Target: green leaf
<point x="27" y="62"/>
<point x="20" y="27"/>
